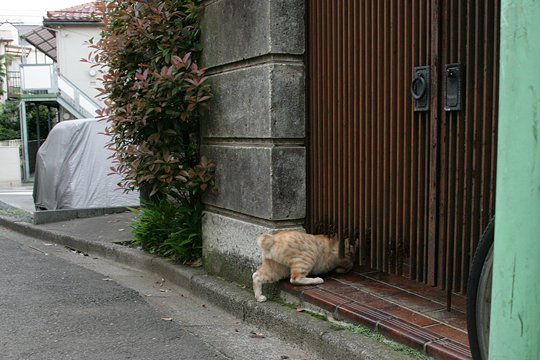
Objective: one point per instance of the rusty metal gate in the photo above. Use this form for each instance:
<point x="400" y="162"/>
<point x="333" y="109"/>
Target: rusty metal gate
<point x="415" y="187"/>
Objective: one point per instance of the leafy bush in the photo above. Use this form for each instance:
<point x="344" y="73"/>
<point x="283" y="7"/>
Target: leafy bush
<point x="155" y="94"/>
<point x="169" y="229"/>
<point x="9" y="121"/>
<point x="155" y="91"/>
<point x="9" y="114"/>
<point x="33" y="113"/>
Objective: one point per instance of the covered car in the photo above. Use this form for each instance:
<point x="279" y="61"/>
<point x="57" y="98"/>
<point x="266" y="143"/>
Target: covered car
<point x="72" y="169"/>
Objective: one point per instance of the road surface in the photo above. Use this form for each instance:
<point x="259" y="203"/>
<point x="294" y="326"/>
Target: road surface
<point x="56" y="303"/>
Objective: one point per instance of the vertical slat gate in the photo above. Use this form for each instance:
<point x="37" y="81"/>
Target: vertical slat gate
<point x="369" y="160"/>
<point x="468" y="142"/>
<point x="415" y="189"/>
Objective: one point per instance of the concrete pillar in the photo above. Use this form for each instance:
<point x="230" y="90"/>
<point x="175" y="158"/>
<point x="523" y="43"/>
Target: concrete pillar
<point x="515" y="312"/>
<point x="255" y="129"/>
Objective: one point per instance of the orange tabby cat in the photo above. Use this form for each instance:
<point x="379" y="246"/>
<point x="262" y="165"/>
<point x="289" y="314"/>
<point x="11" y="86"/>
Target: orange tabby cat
<point x="297" y="254"/>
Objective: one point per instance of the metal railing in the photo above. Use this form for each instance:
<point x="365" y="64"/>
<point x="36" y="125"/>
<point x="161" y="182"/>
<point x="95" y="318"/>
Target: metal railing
<point x="77" y="99"/>
<point x="13" y="84"/>
<point x="39" y="79"/>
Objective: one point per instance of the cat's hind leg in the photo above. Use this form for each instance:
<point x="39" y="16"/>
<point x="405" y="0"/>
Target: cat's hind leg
<point x="299" y="276"/>
<point x="269" y="272"/>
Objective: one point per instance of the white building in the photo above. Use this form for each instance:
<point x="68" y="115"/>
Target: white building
<point x="61" y="81"/>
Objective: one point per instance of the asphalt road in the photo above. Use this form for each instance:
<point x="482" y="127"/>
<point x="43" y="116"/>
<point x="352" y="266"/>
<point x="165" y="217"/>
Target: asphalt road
<point x="59" y="304"/>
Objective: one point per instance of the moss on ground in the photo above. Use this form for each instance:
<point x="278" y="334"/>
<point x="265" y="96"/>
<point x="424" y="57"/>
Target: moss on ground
<point x="357" y="329"/>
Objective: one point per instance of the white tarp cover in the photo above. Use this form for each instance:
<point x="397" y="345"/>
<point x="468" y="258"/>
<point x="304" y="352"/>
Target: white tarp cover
<point x="72" y="168"/>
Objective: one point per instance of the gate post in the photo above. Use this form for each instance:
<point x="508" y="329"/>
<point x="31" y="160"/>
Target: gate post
<point x="254" y="129"/>
<point x="515" y="310"/>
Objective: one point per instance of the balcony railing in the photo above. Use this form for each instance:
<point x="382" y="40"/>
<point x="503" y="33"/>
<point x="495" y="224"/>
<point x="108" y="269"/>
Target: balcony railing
<point x="13" y="84"/>
<point x="38" y="79"/>
<point x="42" y="79"/>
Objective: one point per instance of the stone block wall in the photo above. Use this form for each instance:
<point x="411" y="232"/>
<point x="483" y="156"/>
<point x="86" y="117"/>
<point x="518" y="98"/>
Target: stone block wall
<point x="255" y="129"/>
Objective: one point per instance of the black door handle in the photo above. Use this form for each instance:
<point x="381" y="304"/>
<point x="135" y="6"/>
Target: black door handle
<point x="453" y="84"/>
<point x="420" y="88"/>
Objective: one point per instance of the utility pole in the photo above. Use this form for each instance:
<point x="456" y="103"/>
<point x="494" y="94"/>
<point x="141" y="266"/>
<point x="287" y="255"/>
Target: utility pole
<point x="515" y="310"/>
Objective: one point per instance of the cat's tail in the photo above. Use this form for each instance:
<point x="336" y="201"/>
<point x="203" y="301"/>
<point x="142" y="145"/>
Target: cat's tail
<point x="265" y="241"/>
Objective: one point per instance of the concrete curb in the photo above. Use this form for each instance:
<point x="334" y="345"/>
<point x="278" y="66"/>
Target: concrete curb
<point x="322" y="337"/>
<point x="49" y="216"/>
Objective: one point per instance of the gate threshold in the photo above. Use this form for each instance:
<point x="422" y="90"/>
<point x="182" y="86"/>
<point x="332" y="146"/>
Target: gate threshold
<point x="403" y="310"/>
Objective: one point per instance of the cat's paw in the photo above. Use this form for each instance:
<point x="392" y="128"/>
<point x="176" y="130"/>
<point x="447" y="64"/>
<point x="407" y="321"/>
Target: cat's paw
<point x="261" y="298"/>
<point x="341" y="270"/>
<point x="307" y="281"/>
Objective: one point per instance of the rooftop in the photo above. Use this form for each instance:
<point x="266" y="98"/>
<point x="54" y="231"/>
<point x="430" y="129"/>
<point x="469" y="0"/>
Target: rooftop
<point x="80" y="13"/>
<point x="43" y="37"/>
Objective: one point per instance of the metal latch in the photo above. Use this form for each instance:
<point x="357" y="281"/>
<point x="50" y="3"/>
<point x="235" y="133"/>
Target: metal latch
<point x="453" y="91"/>
<point x="420" y="88"/>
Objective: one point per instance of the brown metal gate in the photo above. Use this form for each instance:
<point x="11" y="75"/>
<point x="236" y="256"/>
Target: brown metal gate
<point x="416" y="188"/>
